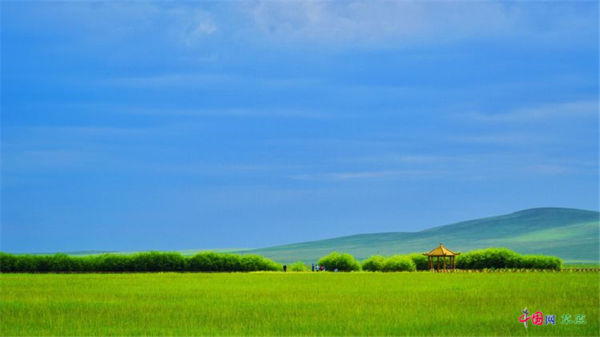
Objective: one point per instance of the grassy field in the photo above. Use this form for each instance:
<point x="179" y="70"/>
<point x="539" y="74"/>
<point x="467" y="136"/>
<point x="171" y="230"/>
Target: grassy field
<point x="327" y="304"/>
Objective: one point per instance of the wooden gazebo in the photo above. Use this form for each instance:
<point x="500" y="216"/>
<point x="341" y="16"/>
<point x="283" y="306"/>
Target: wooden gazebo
<point x="443" y="252"/>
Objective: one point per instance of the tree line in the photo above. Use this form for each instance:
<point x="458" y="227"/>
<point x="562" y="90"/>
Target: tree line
<point x="491" y="258"/>
<point x="140" y="262"/>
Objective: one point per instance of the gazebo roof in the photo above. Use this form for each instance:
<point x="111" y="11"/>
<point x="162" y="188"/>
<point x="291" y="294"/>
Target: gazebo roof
<point x="441" y="251"/>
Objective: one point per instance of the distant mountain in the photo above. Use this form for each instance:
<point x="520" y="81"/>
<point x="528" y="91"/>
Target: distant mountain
<point x="571" y="234"/>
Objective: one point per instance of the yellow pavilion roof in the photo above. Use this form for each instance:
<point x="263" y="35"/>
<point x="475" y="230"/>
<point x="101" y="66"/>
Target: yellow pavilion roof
<point x="441" y="251"/>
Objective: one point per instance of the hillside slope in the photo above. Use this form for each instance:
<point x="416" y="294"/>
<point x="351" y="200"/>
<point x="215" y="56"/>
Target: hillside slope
<point x="571" y="234"/>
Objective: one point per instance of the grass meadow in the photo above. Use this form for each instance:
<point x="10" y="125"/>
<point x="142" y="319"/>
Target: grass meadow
<point x="295" y="304"/>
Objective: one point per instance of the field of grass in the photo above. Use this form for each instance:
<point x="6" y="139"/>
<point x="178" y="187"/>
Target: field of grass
<point x="273" y="303"/>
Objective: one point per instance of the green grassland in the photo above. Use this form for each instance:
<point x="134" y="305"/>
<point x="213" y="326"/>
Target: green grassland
<point x="571" y="234"/>
<point x="292" y="304"/>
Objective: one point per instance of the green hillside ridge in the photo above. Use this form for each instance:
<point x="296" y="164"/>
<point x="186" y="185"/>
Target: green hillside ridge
<point x="571" y="234"/>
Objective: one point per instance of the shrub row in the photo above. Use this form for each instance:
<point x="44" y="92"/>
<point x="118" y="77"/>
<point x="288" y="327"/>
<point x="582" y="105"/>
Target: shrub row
<point x="141" y="262"/>
<point x="387" y="264"/>
<point x="501" y="258"/>
<point x="347" y="262"/>
<point x="339" y="261"/>
<point x="490" y="258"/>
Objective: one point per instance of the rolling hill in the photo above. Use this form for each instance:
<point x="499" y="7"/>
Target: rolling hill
<point x="571" y="234"/>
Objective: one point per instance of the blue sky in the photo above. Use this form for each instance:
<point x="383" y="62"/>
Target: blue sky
<point x="171" y="125"/>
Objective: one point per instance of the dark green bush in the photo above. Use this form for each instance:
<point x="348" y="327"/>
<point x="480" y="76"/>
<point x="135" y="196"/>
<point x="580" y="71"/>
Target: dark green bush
<point x="221" y="262"/>
<point x="258" y="263"/>
<point x="26" y="264"/>
<point x="205" y="261"/>
<point x="501" y="258"/>
<point x="230" y="262"/>
<point x="39" y="263"/>
<point x="216" y="262"/>
<point x="110" y="263"/>
<point x="491" y="258"/>
<point x="339" y="261"/>
<point x="541" y="262"/>
<point x="62" y="263"/>
<point x="420" y="261"/>
<point x="396" y="263"/>
<point x="140" y="262"/>
<point x="7" y="263"/>
<point x="374" y="263"/>
<point x="156" y="261"/>
<point x="399" y="263"/>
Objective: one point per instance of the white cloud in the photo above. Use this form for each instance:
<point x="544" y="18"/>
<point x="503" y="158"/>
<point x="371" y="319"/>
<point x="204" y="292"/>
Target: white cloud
<point x="171" y="80"/>
<point x="208" y="79"/>
<point x="52" y="159"/>
<point x="222" y="112"/>
<point x="548" y="169"/>
<point x="381" y="22"/>
<point x="190" y="25"/>
<point x="337" y="23"/>
<point x="399" y="158"/>
<point x="66" y="132"/>
<point x="587" y="108"/>
<point x="118" y="22"/>
<point x="499" y="138"/>
<point x="363" y="175"/>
